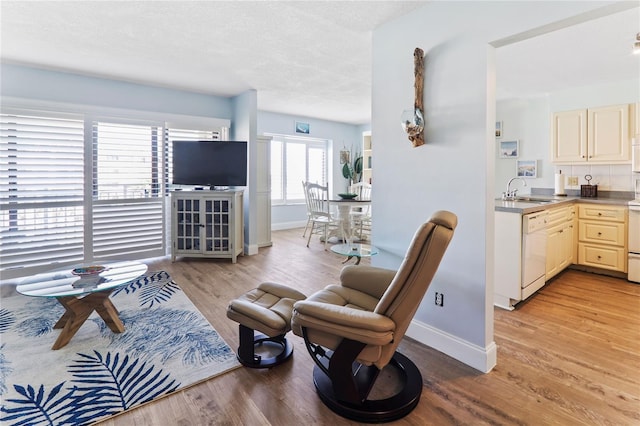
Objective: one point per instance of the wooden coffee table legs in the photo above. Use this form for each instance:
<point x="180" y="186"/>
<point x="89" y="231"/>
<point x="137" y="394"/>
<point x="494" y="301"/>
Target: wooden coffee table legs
<point x="78" y="310"/>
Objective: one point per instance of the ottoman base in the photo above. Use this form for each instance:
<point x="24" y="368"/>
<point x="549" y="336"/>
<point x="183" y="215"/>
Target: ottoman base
<point x="258" y="350"/>
<point x="264" y="315"/>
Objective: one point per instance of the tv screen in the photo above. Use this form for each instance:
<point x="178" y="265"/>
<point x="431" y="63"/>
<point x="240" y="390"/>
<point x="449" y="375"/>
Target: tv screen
<point x="210" y="163"/>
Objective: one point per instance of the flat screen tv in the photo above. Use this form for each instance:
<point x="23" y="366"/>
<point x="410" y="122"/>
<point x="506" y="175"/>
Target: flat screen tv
<point x="210" y="163"/>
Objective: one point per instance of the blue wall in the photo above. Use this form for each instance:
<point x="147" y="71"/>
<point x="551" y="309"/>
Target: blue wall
<point x="338" y="135"/>
<point x="62" y="87"/>
<point x="40" y="87"/>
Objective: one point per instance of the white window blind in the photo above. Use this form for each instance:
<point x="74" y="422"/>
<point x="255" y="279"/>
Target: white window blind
<point x="294" y="160"/>
<point x="69" y="196"/>
<point x="41" y="190"/>
<point x="172" y="134"/>
<point x="128" y="191"/>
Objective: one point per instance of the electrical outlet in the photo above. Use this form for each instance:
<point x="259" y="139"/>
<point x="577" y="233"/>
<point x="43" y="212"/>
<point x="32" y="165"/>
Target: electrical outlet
<point x="572" y="180"/>
<point x="439" y="299"/>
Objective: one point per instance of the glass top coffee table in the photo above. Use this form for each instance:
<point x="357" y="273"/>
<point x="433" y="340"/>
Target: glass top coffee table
<point x="354" y="250"/>
<point x="81" y="291"/>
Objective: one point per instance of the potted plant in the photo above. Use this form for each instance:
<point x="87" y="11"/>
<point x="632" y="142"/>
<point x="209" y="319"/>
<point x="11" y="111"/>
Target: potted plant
<point x="351" y="170"/>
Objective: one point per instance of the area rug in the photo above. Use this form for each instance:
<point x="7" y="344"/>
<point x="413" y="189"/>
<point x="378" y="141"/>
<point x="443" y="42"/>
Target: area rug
<point x="167" y="345"/>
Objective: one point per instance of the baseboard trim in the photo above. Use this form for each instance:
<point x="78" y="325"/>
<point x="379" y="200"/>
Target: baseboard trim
<point x="250" y="249"/>
<point x="482" y="359"/>
<point x="287" y="225"/>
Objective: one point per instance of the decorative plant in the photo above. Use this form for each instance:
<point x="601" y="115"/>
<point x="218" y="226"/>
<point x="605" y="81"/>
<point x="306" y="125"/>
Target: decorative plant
<point x="351" y="170"/>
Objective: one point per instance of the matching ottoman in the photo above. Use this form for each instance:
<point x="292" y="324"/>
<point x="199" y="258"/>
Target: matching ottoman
<point x="266" y="309"/>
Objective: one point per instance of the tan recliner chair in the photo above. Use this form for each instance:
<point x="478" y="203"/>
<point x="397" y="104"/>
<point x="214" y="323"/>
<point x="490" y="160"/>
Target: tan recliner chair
<point x="352" y="330"/>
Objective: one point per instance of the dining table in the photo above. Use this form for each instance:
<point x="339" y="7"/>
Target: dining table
<point x="344" y="206"/>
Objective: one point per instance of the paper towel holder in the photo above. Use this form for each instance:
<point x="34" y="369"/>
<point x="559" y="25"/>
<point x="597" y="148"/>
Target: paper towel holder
<point x="559" y="185"/>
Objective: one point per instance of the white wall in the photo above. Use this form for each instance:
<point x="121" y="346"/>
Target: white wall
<point x="455" y="169"/>
<point x="529" y="121"/>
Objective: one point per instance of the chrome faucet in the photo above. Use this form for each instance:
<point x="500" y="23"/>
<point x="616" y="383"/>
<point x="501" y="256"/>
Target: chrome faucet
<point x="511" y="195"/>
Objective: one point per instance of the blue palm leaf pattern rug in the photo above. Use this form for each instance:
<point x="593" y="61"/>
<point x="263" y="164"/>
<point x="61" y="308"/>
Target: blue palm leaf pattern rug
<point x="167" y="345"/>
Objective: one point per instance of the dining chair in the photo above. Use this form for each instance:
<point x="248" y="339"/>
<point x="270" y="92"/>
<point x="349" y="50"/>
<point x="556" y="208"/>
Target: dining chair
<point x="306" y="200"/>
<point x="361" y="216"/>
<point x="319" y="212"/>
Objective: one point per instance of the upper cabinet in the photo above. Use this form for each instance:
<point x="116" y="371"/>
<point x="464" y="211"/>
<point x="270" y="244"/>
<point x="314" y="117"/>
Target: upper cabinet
<point x="594" y="135"/>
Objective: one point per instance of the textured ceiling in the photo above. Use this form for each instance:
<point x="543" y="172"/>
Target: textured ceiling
<point x="306" y="58"/>
<point x="597" y="51"/>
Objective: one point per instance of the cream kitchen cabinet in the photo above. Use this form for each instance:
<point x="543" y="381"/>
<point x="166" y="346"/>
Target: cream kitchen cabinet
<point x="602" y="236"/>
<point x="561" y="242"/>
<point x="595" y="135"/>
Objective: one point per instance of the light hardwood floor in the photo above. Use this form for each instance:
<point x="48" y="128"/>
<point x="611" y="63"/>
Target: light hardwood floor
<point x="568" y="356"/>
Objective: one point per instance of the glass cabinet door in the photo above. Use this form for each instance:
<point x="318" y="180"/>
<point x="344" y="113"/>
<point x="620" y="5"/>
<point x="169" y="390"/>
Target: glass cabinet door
<point x="217" y="226"/>
<point x="188" y="225"/>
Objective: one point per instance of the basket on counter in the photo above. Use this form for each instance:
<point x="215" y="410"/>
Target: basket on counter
<point x="588" y="190"/>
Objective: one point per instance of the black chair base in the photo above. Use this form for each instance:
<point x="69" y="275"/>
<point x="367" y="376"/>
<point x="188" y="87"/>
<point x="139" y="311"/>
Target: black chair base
<point x="380" y="410"/>
<point x="250" y="340"/>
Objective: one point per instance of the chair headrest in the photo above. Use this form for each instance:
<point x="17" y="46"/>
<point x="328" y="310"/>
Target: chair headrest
<point x="421" y="261"/>
<point x="444" y="218"/>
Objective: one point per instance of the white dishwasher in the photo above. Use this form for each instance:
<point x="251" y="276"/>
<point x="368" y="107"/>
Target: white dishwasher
<point x="534" y="252"/>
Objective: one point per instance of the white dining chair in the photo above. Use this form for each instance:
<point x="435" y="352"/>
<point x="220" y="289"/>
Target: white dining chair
<point x="319" y="212"/>
<point x="361" y="216"/>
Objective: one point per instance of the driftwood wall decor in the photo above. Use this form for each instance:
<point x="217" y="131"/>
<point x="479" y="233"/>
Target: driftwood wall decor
<point x="414" y="124"/>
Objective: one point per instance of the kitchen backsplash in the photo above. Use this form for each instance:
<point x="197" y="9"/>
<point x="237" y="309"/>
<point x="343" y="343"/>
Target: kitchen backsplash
<point x="616" y="177"/>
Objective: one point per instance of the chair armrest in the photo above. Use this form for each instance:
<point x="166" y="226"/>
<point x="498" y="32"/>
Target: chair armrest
<point x="355" y="324"/>
<point x="367" y="279"/>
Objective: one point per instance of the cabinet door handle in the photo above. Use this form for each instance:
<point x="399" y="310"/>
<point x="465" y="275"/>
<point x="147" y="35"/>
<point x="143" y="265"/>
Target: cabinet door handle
<point x="599" y="233"/>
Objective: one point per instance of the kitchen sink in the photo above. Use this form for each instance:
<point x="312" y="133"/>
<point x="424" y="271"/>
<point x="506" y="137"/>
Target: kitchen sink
<point x="534" y="200"/>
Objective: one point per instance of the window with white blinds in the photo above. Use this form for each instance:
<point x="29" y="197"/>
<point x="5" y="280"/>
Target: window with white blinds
<point x="172" y="134"/>
<point x="67" y="200"/>
<point x="128" y="189"/>
<point x="41" y="190"/>
<point x="293" y="160"/>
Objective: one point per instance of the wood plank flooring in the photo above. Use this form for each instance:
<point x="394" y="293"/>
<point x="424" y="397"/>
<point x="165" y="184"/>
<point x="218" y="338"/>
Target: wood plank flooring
<point x="570" y="355"/>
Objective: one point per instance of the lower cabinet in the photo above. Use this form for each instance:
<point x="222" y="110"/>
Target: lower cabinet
<point x="602" y="236"/>
<point x="593" y="235"/>
<point x="561" y="241"/>
<point x="207" y="224"/>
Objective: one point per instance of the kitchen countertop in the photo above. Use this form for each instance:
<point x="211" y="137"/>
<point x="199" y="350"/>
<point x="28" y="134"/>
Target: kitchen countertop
<point x="616" y="198"/>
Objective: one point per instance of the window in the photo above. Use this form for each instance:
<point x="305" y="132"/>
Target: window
<point x="172" y="134"/>
<point x="127" y="191"/>
<point x="66" y="199"/>
<point x="41" y="190"/>
<point x="294" y="160"/>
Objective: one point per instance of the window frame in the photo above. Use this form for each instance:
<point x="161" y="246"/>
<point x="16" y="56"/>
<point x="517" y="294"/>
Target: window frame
<point x="309" y="143"/>
<point x="90" y="115"/>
